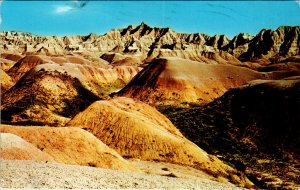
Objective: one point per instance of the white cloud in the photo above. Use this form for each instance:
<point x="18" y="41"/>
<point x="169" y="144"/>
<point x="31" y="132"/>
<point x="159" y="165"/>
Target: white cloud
<point x="1" y="13"/>
<point x="63" y="9"/>
<point x="298" y="1"/>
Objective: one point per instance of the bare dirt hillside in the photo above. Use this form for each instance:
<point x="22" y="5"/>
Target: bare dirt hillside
<point x="71" y="146"/>
<point x="136" y="130"/>
<point x="11" y="56"/>
<point x="45" y="98"/>
<point x="6" y="64"/>
<point x="25" y="64"/>
<point x="175" y="81"/>
<point x="118" y="59"/>
<point x="58" y="91"/>
<point x="100" y="81"/>
<point x="13" y="147"/>
<point x="30" y="61"/>
<point x="6" y="81"/>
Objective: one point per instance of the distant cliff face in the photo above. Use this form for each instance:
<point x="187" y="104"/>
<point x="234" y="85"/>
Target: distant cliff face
<point x="283" y="42"/>
<point x="148" y="43"/>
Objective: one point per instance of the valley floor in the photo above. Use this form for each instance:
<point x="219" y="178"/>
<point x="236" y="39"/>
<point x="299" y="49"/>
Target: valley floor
<point x="29" y="174"/>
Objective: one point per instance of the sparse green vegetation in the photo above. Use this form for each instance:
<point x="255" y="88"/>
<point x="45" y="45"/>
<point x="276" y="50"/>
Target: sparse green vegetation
<point x="246" y="126"/>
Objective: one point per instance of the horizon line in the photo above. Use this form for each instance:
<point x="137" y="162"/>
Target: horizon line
<point x="99" y="34"/>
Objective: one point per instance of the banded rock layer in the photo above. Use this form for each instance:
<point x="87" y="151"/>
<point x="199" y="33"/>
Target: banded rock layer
<point x="149" y="43"/>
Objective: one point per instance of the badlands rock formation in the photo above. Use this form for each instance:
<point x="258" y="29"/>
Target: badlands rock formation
<point x="46" y="98"/>
<point x="8" y="60"/>
<point x="148" y="43"/>
<point x="6" y="64"/>
<point x="100" y="81"/>
<point x="70" y="146"/>
<point x="6" y="81"/>
<point x="50" y="80"/>
<point x="25" y="64"/>
<point x="11" y="56"/>
<point x="117" y="59"/>
<point x="239" y="44"/>
<point x="13" y="147"/>
<point x="136" y="130"/>
<point x="273" y="45"/>
<point x="59" y="91"/>
<point x="175" y="81"/>
<point x="28" y="62"/>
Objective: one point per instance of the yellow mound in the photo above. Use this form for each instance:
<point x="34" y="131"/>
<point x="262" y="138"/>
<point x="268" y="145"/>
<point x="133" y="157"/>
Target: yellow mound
<point x="51" y="93"/>
<point x="100" y="81"/>
<point x="128" y="61"/>
<point x="25" y="64"/>
<point x="15" y="148"/>
<point x="6" y="81"/>
<point x="175" y="80"/>
<point x="76" y="59"/>
<point x="136" y="130"/>
<point x="11" y="57"/>
<point x="117" y="59"/>
<point x="31" y="61"/>
<point x="82" y="60"/>
<point x="6" y="64"/>
<point x="45" y="98"/>
<point x="71" y="146"/>
<point x="198" y="55"/>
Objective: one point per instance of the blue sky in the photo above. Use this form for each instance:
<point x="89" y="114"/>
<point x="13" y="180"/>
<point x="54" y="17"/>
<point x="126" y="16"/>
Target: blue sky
<point x="210" y="17"/>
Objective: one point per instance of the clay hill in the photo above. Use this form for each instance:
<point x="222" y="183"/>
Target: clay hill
<point x="65" y="145"/>
<point x="136" y="130"/>
<point x="14" y="147"/>
<point x="28" y="62"/>
<point x="146" y="43"/>
<point x="6" y="81"/>
<point x="46" y="98"/>
<point x="50" y="93"/>
<point x="254" y="127"/>
<point x="175" y="81"/>
<point x="100" y="81"/>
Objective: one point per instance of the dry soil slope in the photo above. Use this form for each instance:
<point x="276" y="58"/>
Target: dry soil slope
<point x="136" y="130"/>
<point x="13" y="147"/>
<point x="28" y="62"/>
<point x="6" y="81"/>
<point x="174" y="80"/>
<point x="118" y="59"/>
<point x="71" y="146"/>
<point x="100" y="81"/>
<point x="25" y="64"/>
<point x="6" y="64"/>
<point x="45" y="98"/>
<point x="83" y="58"/>
<point x="206" y="56"/>
<point x="51" y="93"/>
<point x="11" y="56"/>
